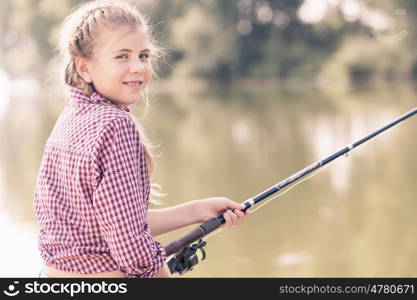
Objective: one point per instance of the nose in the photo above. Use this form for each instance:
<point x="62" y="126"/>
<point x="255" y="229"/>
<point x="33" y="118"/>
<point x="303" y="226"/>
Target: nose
<point x="137" y="67"/>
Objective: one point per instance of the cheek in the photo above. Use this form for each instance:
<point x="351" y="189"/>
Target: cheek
<point x="114" y="74"/>
<point x="107" y="79"/>
<point x="149" y="72"/>
<point x="116" y="70"/>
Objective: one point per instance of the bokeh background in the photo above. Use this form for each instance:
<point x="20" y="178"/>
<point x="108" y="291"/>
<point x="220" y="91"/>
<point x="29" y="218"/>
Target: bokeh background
<point x="250" y="91"/>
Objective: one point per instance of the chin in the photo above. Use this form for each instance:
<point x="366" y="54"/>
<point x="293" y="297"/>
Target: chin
<point x="133" y="101"/>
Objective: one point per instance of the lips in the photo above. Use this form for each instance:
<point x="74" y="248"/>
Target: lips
<point x="133" y="83"/>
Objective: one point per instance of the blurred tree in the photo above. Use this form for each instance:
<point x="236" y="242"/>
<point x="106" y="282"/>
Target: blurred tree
<point x="30" y="30"/>
<point x="410" y="10"/>
<point x="249" y="38"/>
<point x="215" y="39"/>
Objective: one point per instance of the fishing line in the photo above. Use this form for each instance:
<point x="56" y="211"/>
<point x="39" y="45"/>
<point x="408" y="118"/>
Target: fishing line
<point x="188" y="256"/>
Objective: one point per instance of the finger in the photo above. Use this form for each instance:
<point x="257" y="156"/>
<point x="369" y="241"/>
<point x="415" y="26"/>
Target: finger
<point x="235" y="205"/>
<point x="240" y="214"/>
<point x="228" y="220"/>
<point x="234" y="217"/>
<point x="248" y="212"/>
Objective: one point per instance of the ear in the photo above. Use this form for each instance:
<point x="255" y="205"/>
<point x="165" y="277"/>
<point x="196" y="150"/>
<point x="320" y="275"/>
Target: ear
<point x="83" y="68"/>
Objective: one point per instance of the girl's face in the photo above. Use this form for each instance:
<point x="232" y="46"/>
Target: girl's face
<point x="121" y="68"/>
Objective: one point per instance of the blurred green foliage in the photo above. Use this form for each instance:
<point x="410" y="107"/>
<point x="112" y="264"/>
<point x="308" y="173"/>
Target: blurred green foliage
<point x="228" y="40"/>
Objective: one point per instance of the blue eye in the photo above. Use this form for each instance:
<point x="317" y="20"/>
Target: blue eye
<point x="144" y="56"/>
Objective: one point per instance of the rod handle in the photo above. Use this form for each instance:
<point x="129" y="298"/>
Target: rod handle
<point x="177" y="245"/>
<point x="194" y="235"/>
<point x="212" y="224"/>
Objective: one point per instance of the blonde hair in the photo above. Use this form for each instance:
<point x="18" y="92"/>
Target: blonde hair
<point x="79" y="31"/>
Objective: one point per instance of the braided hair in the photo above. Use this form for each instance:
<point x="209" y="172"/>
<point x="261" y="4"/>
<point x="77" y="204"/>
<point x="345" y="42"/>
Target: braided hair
<point x="78" y="34"/>
<point x="82" y="27"/>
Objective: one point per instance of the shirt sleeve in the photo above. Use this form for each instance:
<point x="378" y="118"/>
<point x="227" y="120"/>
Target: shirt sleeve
<point x="120" y="200"/>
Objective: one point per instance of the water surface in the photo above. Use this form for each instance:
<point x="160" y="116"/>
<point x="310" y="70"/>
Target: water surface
<point x="355" y="218"/>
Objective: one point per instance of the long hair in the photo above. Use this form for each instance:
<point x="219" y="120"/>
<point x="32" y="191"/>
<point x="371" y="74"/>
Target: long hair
<point x="79" y="31"/>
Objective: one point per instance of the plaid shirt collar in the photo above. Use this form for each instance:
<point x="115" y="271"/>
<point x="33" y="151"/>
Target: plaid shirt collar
<point x="77" y="96"/>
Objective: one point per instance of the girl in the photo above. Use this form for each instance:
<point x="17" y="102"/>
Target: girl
<point x="93" y="188"/>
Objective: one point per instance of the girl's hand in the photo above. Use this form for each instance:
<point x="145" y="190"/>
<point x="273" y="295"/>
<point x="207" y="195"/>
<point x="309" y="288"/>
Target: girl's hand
<point x="209" y="208"/>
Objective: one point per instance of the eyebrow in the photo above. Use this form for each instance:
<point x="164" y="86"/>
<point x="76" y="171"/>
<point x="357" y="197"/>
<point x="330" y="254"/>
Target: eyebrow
<point x="128" y="50"/>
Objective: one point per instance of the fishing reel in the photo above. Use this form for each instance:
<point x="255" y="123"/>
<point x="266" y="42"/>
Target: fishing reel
<point x="185" y="260"/>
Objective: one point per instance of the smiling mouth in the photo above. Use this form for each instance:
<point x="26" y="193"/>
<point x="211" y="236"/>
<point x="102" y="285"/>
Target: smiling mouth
<point x="136" y="83"/>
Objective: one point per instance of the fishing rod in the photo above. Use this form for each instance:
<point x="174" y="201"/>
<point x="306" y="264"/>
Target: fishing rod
<point x="188" y="256"/>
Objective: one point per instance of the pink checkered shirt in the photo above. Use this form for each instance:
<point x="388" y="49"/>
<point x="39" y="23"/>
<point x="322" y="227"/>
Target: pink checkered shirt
<point x="92" y="193"/>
